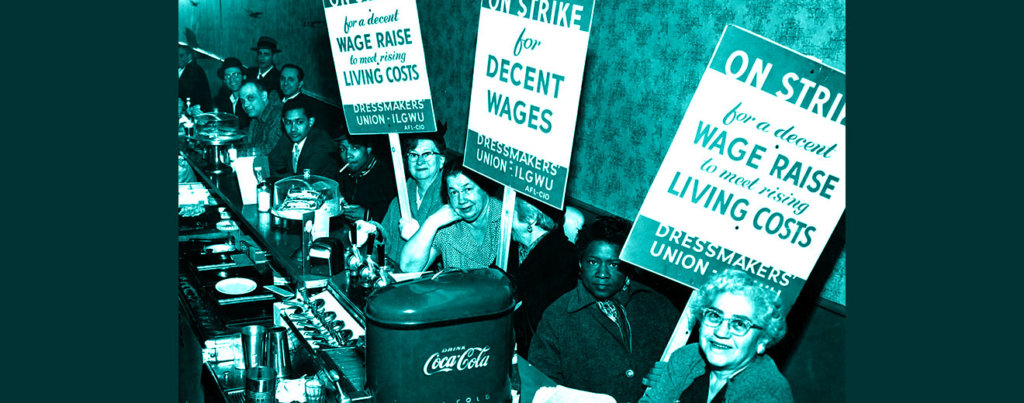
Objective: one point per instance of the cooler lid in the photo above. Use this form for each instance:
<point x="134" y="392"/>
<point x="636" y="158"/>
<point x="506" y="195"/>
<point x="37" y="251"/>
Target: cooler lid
<point x="450" y="296"/>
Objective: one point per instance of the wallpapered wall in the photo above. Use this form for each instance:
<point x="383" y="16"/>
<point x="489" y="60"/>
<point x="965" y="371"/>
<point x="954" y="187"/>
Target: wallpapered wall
<point x="643" y="65"/>
<point x="230" y="28"/>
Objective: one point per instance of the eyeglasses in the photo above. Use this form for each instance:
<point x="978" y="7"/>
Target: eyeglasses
<point x="232" y="75"/>
<point x="415" y="157"/>
<point x="738" y="326"/>
<point x="593" y="263"/>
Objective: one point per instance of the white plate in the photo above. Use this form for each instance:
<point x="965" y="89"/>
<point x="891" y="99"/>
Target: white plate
<point x="236" y="286"/>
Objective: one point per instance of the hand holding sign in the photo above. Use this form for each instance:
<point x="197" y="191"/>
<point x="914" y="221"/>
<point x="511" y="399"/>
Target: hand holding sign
<point x="657" y="371"/>
<point x="408" y="227"/>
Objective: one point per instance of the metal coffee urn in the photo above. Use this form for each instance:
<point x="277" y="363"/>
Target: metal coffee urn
<point x="441" y="339"/>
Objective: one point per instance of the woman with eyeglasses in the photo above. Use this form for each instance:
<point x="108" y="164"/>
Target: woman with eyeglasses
<point x="739" y="319"/>
<point x="605" y="334"/>
<point x="424" y="156"/>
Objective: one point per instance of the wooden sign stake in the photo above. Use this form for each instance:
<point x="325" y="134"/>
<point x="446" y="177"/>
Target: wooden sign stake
<point x="682" y="332"/>
<point x="508" y="202"/>
<point x="396" y="159"/>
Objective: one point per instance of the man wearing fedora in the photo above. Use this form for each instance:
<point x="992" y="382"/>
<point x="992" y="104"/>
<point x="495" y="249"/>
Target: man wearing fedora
<point x="192" y="83"/>
<point x="265" y="72"/>
<point x="232" y="73"/>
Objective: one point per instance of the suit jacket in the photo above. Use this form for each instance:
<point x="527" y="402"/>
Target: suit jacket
<point x="272" y="81"/>
<point x="320" y="155"/>
<point x="193" y="84"/>
<point x="223" y="104"/>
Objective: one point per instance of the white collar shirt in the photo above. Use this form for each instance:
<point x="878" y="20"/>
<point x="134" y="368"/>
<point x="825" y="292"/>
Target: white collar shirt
<point x="262" y="74"/>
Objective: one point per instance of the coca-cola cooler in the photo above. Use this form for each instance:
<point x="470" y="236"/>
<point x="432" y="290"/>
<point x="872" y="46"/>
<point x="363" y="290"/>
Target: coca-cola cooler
<point x="442" y="339"/>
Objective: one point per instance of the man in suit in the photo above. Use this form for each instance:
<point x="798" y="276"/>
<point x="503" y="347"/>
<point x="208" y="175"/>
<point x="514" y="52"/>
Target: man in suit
<point x="328" y="118"/>
<point x="192" y="83"/>
<point x="291" y="83"/>
<point x="265" y="72"/>
<point x="228" y="100"/>
<point x="303" y="146"/>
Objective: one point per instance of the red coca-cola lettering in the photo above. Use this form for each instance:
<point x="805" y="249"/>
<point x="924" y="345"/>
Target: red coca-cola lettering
<point x="470" y="358"/>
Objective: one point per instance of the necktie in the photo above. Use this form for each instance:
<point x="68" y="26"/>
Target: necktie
<point x="295" y="158"/>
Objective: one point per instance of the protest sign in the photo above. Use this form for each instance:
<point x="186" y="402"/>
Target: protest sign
<point x="382" y="74"/>
<point x="755" y="176"/>
<point x="527" y="75"/>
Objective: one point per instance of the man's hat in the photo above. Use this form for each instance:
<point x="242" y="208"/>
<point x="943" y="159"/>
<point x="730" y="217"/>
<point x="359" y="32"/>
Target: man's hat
<point x="266" y="42"/>
<point x="228" y="63"/>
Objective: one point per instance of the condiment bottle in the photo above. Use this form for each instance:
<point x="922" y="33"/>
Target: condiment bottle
<point x="262" y="191"/>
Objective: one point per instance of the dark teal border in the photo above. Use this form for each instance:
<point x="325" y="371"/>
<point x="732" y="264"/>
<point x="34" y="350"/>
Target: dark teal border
<point x="91" y="202"/>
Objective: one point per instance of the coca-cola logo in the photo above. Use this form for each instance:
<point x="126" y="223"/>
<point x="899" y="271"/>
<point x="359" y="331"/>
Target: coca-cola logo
<point x="457" y="359"/>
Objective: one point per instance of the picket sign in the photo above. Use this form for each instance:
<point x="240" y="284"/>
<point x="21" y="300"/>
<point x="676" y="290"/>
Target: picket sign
<point x="525" y="93"/>
<point x="747" y="94"/>
<point x="381" y="93"/>
<point x="532" y="63"/>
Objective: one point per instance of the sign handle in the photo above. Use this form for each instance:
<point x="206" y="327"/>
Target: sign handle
<point x="680" y="335"/>
<point x="508" y="202"/>
<point x="397" y="161"/>
<point x="682" y="332"/>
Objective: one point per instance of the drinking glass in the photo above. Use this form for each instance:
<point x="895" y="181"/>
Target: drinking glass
<point x="314" y="390"/>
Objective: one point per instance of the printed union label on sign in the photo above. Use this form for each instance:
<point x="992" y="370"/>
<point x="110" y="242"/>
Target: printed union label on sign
<point x="382" y="74"/>
<point x="526" y="91"/>
<point x="755" y="176"/>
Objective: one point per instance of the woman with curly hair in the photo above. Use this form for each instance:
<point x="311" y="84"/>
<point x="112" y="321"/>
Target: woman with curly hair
<point x="739" y="319"/>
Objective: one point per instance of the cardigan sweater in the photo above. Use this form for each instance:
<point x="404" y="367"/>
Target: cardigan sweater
<point x="761" y="381"/>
